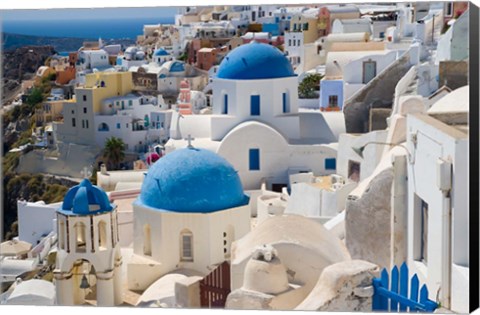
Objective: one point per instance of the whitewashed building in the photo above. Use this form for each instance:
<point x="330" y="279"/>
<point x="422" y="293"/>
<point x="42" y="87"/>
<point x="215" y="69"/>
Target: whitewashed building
<point x="190" y="210"/>
<point x="88" y="248"/>
<point x="438" y="199"/>
<point x="35" y="220"/>
<point x="256" y="124"/>
<point x="138" y="120"/>
<point x="132" y="57"/>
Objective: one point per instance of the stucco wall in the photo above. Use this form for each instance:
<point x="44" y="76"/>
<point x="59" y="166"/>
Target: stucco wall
<point x="35" y="220"/>
<point x="437" y="142"/>
<point x="328" y="88"/>
<point x="380" y="91"/>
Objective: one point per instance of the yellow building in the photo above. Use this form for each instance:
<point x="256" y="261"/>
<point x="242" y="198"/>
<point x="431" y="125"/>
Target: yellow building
<point x="78" y="116"/>
<point x="306" y="25"/>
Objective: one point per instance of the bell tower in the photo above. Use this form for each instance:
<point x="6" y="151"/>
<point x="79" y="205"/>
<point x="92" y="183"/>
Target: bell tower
<point x="88" y="265"/>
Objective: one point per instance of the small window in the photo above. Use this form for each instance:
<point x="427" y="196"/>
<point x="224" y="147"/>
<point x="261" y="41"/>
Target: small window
<point x="84" y="110"/>
<point x="83" y="123"/>
<point x="255" y="105"/>
<point x="330" y="164"/>
<point x="86" y="123"/>
<point x="420" y="236"/>
<point x="289" y="42"/>
<point x="186" y="246"/>
<point x="333" y="101"/>
<point x="130" y="103"/>
<point x="424" y="234"/>
<point x="298" y="42"/>
<point x="147" y="240"/>
<point x="73" y="122"/>
<point x="305" y="27"/>
<point x="225" y="104"/>
<point x="449" y="9"/>
<point x="286" y="107"/>
<point x="118" y="125"/>
<point x="254" y="159"/>
<point x="84" y="98"/>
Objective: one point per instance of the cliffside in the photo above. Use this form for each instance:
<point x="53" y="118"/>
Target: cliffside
<point x="21" y="64"/>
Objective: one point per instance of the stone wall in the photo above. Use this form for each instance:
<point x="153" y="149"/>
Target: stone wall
<point x="367" y="220"/>
<point x="343" y="287"/>
<point x="378" y="118"/>
<point x="453" y="74"/>
<point x="378" y="93"/>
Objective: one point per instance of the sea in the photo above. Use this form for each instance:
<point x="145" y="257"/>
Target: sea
<point x="84" y="28"/>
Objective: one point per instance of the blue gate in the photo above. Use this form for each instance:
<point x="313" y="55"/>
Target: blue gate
<point x="393" y="295"/>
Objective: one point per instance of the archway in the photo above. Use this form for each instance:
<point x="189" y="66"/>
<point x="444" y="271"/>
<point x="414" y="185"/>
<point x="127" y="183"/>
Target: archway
<point x="84" y="283"/>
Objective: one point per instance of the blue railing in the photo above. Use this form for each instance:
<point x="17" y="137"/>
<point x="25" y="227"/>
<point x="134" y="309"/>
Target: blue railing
<point x="394" y="295"/>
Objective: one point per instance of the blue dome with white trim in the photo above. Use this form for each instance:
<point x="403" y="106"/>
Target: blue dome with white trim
<point x="255" y="61"/>
<point x="85" y="199"/>
<point x="161" y="52"/>
<point x="193" y="181"/>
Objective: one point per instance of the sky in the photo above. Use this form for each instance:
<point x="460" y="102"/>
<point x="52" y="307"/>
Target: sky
<point x="86" y="13"/>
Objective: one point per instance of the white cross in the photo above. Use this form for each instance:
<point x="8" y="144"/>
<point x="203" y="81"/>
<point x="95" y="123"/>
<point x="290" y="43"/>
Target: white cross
<point x="86" y="172"/>
<point x="189" y="139"/>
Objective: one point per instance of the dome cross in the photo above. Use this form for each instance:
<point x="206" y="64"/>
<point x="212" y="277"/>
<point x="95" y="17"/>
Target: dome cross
<point x="189" y="139"/>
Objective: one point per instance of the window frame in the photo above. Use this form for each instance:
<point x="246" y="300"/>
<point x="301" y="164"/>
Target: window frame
<point x="186" y="235"/>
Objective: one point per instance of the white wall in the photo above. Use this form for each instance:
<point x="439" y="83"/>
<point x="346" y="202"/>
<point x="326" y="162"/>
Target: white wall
<point x="276" y="155"/>
<point x="353" y="71"/>
<point x="437" y="142"/>
<point x="371" y="155"/>
<point x="35" y="220"/>
<point x="207" y="230"/>
<point x="271" y="104"/>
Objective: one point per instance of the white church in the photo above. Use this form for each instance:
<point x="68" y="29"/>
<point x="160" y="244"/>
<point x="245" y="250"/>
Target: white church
<point x="191" y="208"/>
<point x="256" y="123"/>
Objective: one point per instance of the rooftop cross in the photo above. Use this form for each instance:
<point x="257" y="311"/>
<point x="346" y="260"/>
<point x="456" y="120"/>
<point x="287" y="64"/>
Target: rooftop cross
<point x="86" y="172"/>
<point x="189" y="139"/>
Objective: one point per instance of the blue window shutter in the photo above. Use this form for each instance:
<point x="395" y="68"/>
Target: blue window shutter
<point x="254" y="159"/>
<point x="331" y="164"/>
<point x="255" y="105"/>
<point x="284" y="99"/>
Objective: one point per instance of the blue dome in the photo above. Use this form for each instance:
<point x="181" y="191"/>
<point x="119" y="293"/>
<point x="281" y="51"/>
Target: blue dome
<point x="177" y="66"/>
<point x="85" y="199"/>
<point x="161" y="52"/>
<point x="192" y="180"/>
<point x="255" y="61"/>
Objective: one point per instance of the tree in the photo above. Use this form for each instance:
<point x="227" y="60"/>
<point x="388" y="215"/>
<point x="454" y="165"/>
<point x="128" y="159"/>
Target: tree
<point x="35" y="97"/>
<point x="310" y="86"/>
<point x="114" y="152"/>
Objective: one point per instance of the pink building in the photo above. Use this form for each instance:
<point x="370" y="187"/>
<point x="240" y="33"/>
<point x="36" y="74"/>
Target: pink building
<point x="206" y="58"/>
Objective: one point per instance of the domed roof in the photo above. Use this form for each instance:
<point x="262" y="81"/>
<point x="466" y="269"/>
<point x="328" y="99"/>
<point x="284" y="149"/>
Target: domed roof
<point x="192" y="180"/>
<point x="85" y="199"/>
<point x="161" y="52"/>
<point x="255" y="61"/>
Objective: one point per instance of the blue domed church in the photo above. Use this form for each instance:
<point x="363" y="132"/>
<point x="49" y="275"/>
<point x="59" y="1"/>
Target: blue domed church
<point x="256" y="124"/>
<point x="191" y="208"/>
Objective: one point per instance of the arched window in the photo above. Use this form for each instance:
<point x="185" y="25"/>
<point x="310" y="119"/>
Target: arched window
<point x="61" y="235"/>
<point x="103" y="127"/>
<point x="80" y="237"/>
<point x="147" y="241"/>
<point x="102" y="235"/>
<point x="186" y="246"/>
